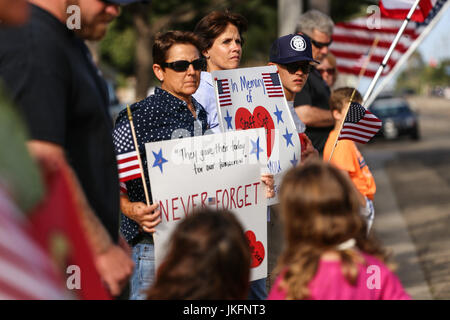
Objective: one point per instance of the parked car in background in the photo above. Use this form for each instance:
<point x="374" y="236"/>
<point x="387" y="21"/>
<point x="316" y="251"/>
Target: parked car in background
<point x="397" y="116"/>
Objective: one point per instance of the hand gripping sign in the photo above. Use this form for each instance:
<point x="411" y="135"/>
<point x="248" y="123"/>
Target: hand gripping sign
<point x="254" y="98"/>
<point x="220" y="171"/>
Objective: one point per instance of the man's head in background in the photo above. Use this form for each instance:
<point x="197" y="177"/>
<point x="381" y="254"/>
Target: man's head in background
<point x="95" y="15"/>
<point x="319" y="27"/>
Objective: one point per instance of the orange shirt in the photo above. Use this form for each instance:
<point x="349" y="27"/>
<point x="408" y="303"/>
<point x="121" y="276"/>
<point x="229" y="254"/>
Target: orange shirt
<point x="347" y="157"/>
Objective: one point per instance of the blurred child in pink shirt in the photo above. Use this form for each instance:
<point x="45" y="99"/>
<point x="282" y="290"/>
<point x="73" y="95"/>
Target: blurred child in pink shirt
<point x="328" y="255"/>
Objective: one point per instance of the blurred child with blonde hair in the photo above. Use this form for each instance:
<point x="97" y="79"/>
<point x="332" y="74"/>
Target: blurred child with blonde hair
<point x="328" y="255"/>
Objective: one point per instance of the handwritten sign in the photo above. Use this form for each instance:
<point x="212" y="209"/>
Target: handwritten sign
<point x="254" y="98"/>
<point x="220" y="171"/>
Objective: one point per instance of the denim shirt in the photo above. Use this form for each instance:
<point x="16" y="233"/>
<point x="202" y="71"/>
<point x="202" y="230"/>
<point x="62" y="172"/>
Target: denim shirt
<point x="206" y="96"/>
<point x="155" y="118"/>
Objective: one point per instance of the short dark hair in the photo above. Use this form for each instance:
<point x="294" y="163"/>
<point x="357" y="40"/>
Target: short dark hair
<point x="340" y="97"/>
<point x="215" y="23"/>
<point x="164" y="41"/>
<point x="208" y="258"/>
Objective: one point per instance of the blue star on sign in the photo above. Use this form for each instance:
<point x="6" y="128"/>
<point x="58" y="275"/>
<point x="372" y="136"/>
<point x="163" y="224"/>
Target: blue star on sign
<point x="278" y="114"/>
<point x="159" y="160"/>
<point x="228" y="119"/>
<point x="294" y="161"/>
<point x="256" y="149"/>
<point x="288" y="137"/>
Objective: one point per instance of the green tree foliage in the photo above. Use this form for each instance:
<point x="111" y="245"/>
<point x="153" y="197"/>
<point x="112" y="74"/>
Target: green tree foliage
<point x="440" y="75"/>
<point x="344" y="10"/>
<point x="118" y="48"/>
<point x="412" y="78"/>
<point x="420" y="77"/>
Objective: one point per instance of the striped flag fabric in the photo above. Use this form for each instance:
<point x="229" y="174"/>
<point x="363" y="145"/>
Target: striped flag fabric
<point x="273" y="85"/>
<point x="55" y="224"/>
<point x="26" y="270"/>
<point x="127" y="157"/>
<point x="398" y="9"/>
<point x="224" y="92"/>
<point x="353" y="39"/>
<point x="360" y="125"/>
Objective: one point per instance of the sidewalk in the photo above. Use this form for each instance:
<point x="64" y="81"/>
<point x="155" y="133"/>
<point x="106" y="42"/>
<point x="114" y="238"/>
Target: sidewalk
<point x="392" y="230"/>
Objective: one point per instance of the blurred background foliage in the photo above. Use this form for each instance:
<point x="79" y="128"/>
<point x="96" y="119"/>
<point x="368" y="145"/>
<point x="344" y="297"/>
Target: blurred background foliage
<point x="420" y="77"/>
<point x="118" y="50"/>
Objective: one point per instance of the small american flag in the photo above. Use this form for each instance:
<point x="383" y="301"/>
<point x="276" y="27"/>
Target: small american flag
<point x="360" y="125"/>
<point x="127" y="158"/>
<point x="224" y="93"/>
<point x="212" y="201"/>
<point x="273" y="85"/>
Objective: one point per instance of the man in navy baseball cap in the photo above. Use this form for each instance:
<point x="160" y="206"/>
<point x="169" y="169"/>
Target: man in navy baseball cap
<point x="292" y="54"/>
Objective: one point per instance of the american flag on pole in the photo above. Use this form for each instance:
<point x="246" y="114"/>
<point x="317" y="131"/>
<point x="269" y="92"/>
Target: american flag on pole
<point x="224" y="93"/>
<point x="273" y="85"/>
<point x="360" y="125"/>
<point x="398" y="9"/>
<point x="127" y="157"/>
<point x="353" y="39"/>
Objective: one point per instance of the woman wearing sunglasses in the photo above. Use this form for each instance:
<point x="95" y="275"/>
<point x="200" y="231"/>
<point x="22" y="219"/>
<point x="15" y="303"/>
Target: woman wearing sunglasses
<point x="328" y="70"/>
<point x="221" y="34"/>
<point x="169" y="113"/>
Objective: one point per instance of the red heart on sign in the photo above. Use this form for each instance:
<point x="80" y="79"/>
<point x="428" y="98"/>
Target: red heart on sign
<point x="256" y="249"/>
<point x="259" y="119"/>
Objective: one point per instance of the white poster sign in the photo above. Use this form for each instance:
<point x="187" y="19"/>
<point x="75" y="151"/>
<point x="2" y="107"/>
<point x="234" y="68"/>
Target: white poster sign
<point x="254" y="98"/>
<point x="220" y="171"/>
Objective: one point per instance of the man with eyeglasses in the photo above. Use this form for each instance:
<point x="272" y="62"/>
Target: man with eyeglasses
<point x="64" y="102"/>
<point x="311" y="104"/>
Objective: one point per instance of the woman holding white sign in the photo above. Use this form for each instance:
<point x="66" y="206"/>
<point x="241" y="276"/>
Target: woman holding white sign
<point x="221" y="33"/>
<point x="169" y="113"/>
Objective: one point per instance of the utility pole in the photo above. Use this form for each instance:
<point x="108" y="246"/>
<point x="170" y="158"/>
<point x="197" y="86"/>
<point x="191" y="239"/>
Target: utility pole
<point x="288" y="14"/>
<point x="321" y="5"/>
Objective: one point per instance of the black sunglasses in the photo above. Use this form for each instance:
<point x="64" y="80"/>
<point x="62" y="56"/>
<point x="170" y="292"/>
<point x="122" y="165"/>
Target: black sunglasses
<point x="320" y="45"/>
<point x="183" y="65"/>
<point x="329" y="71"/>
<point x="294" y="66"/>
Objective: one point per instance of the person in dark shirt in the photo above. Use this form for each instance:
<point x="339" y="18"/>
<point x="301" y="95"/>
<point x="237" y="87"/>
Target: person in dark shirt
<point x="63" y="100"/>
<point x="311" y="104"/>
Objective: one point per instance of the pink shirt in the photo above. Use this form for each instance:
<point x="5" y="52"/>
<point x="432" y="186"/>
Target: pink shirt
<point x="375" y="282"/>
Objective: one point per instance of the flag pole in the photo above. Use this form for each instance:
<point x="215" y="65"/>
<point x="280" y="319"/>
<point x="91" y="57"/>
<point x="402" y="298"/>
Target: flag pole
<point x="361" y="73"/>
<point x="130" y="118"/>
<point x="391" y="49"/>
